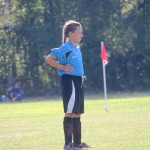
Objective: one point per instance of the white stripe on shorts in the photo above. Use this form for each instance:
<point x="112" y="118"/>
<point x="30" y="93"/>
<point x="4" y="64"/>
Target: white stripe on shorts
<point x="71" y="100"/>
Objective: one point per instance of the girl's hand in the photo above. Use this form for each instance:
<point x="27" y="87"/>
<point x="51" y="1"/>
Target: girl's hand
<point x="68" y="68"/>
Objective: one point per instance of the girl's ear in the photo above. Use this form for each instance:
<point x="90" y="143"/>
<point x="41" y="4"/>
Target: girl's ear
<point x="70" y="33"/>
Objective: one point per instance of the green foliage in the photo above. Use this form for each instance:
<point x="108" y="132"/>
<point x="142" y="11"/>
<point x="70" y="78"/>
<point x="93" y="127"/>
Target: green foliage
<point x="29" y="29"/>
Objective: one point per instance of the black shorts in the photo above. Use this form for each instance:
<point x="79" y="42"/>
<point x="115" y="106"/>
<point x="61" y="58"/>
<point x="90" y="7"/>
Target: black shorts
<point x="73" y="94"/>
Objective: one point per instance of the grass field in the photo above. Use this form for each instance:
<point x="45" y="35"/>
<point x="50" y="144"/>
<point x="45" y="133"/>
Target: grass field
<point x="37" y="125"/>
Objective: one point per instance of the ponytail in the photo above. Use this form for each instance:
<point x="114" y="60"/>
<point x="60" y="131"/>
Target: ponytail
<point x="63" y="37"/>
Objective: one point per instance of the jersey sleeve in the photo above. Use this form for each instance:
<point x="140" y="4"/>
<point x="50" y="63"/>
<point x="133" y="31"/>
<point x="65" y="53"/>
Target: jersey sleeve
<point x="57" y="52"/>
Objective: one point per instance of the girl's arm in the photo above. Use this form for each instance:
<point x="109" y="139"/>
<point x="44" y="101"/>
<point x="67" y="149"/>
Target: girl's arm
<point x="51" y="60"/>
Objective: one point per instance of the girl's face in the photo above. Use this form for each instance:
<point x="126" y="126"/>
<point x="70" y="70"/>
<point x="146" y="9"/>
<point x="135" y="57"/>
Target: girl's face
<point x="76" y="36"/>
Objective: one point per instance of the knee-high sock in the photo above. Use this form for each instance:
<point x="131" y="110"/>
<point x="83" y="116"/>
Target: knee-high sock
<point x="68" y="130"/>
<point x="76" y="131"/>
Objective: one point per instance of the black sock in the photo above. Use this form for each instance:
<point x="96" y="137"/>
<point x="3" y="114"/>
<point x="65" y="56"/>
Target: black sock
<point x="76" y="131"/>
<point x="68" y="130"/>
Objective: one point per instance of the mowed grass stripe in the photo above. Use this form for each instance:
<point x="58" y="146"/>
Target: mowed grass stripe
<point x="38" y="125"/>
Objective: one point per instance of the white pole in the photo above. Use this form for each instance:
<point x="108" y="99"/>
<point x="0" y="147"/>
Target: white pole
<point x="105" y="89"/>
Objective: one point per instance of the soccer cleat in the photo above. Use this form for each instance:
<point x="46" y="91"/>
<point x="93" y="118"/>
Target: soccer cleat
<point x="82" y="145"/>
<point x="68" y="147"/>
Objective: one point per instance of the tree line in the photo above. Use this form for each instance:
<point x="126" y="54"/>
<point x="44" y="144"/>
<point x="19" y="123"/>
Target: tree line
<point x="30" y="29"/>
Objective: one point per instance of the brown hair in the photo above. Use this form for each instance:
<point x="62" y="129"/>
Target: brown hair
<point x="69" y="26"/>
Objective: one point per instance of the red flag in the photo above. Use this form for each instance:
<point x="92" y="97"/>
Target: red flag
<point x="103" y="54"/>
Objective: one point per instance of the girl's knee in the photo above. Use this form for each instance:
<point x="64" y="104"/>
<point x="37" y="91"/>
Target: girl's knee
<point x="69" y="115"/>
<point x="72" y="115"/>
<point x="76" y="115"/>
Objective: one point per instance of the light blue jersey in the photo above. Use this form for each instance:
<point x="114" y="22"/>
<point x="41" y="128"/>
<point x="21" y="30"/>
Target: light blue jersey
<point x="69" y="54"/>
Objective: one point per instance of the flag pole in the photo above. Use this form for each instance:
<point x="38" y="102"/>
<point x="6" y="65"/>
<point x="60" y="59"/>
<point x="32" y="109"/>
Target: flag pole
<point x="104" y="62"/>
<point x="105" y="88"/>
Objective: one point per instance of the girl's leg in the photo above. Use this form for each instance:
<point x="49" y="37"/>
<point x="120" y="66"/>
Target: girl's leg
<point x="76" y="129"/>
<point x="68" y="129"/>
<point x="77" y="133"/>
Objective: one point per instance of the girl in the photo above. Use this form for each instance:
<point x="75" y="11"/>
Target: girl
<point x="68" y="60"/>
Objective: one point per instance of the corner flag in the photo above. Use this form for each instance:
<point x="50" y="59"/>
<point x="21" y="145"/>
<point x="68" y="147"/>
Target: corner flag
<point x="103" y="56"/>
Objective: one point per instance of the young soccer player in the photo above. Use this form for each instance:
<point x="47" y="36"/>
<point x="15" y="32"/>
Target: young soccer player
<point x="68" y="60"/>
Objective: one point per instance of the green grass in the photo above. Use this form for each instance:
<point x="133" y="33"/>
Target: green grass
<point x="37" y="125"/>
